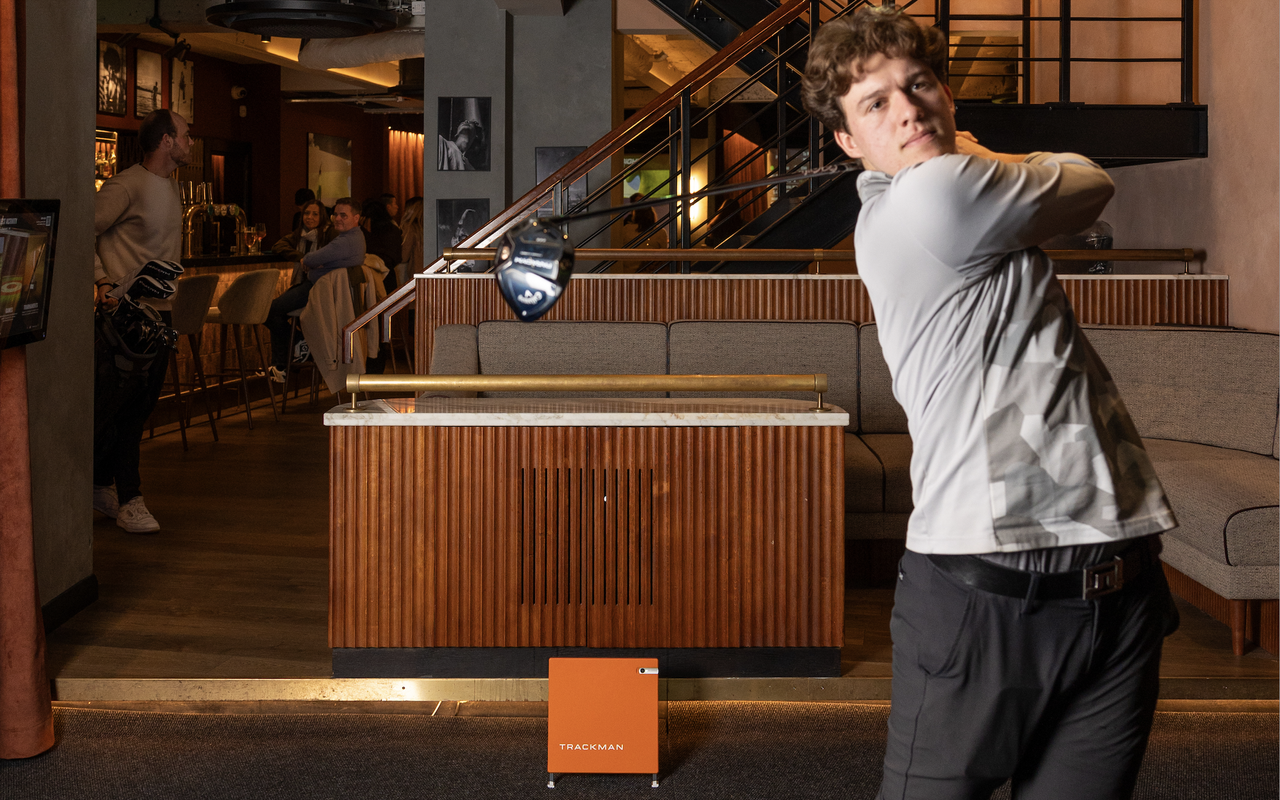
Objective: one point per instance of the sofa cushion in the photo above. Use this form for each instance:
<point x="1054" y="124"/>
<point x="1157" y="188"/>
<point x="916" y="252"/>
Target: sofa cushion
<point x="863" y="478"/>
<point x="1227" y="501"/>
<point x="1214" y="387"/>
<point x="770" y="348"/>
<point x="894" y="453"/>
<point x="573" y="348"/>
<point x="454" y="352"/>
<point x="880" y="411"/>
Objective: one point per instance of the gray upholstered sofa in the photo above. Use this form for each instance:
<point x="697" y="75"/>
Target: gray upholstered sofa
<point x="1206" y="401"/>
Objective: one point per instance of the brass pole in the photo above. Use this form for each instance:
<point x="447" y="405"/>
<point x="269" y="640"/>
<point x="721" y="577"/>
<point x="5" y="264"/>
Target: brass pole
<point x="587" y="383"/>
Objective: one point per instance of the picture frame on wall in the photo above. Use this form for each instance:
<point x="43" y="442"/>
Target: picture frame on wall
<point x="463" y="128"/>
<point x="329" y="167"/>
<point x="455" y="221"/>
<point x="147" y="96"/>
<point x="182" y="90"/>
<point x="547" y="161"/>
<point x="112" y="83"/>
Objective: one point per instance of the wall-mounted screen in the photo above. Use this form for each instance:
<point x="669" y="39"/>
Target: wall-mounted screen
<point x="28" y="229"/>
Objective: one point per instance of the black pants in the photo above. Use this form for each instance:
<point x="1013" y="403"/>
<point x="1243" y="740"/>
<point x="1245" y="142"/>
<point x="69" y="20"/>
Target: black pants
<point x="1056" y="695"/>
<point x="291" y="299"/>
<point x="121" y="405"/>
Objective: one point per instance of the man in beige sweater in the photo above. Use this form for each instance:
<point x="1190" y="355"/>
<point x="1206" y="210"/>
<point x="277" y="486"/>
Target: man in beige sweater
<point x="137" y="218"/>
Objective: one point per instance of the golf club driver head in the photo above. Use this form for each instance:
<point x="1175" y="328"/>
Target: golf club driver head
<point x="533" y="263"/>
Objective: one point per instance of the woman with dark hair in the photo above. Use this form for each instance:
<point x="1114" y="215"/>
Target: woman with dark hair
<point x="313" y="233"/>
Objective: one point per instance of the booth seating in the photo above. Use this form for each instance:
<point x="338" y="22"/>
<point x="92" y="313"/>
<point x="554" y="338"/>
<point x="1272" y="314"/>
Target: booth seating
<point x="1206" y="401"/>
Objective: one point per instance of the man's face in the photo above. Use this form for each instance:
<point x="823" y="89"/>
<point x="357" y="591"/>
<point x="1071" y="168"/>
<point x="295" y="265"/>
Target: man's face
<point x="180" y="151"/>
<point x="344" y="218"/>
<point x="899" y="114"/>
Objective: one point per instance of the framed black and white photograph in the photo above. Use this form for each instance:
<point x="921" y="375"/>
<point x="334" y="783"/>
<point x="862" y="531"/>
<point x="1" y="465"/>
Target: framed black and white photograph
<point x="455" y="221"/>
<point x="547" y="160"/>
<point x="463" y="139"/>
<point x="147" y="96"/>
<point x="182" y="90"/>
<point x="328" y="167"/>
<point x="112" y="83"/>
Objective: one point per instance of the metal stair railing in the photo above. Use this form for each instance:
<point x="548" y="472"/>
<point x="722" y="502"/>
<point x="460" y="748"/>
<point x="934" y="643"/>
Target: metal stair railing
<point x="778" y="37"/>
<point x="674" y="105"/>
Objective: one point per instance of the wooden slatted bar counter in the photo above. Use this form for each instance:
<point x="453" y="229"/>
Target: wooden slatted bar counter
<point x="478" y="537"/>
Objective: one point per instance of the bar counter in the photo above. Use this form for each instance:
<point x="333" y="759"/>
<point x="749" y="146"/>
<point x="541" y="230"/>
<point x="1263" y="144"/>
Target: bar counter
<point x="478" y="537"/>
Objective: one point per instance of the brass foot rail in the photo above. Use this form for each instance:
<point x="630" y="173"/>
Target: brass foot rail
<point x="588" y="383"/>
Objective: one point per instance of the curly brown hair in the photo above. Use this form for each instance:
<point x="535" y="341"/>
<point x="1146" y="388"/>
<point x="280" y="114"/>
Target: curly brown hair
<point x="843" y="45"/>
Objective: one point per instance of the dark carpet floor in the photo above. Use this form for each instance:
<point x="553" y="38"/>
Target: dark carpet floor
<point x="710" y="750"/>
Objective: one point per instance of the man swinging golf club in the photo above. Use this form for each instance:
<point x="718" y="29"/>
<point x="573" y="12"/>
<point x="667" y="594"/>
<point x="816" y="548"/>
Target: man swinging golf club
<point x="1031" y="606"/>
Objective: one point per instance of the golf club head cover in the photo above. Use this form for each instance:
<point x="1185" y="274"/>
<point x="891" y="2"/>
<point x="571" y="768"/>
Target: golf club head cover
<point x="162" y="270"/>
<point x="148" y="286"/>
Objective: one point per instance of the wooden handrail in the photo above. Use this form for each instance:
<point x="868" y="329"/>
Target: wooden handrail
<point x="712" y="254"/>
<point x="746" y="43"/>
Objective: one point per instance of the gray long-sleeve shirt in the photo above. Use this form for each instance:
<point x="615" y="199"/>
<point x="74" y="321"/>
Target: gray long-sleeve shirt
<point x="345" y="251"/>
<point x="1020" y="439"/>
<point x="137" y="217"/>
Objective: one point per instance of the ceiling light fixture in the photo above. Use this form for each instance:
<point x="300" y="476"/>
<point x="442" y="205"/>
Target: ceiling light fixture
<point x="303" y="19"/>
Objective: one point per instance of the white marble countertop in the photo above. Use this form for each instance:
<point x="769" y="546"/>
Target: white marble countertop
<point x="586" y="412"/>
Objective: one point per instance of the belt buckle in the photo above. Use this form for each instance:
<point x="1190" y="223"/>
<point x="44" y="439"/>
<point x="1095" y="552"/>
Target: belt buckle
<point x="1103" y="579"/>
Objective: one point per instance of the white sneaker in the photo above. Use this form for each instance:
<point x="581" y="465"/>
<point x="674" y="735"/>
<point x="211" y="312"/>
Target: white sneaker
<point x="135" y="518"/>
<point x="104" y="500"/>
<point x="276" y="374"/>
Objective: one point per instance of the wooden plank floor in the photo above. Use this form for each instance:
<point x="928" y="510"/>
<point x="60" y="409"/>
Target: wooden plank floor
<point x="235" y="585"/>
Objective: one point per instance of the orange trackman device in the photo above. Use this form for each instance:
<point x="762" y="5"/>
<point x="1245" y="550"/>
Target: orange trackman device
<point x="602" y="716"/>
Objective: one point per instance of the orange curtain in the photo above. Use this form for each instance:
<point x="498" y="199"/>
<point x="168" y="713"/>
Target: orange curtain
<point x="404" y="165"/>
<point x="736" y="148"/>
<point x="26" y="717"/>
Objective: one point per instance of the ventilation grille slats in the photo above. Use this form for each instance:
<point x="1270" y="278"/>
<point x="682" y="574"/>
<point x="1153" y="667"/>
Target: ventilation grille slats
<point x="585" y="536"/>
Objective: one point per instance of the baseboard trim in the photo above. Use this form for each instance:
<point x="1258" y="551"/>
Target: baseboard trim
<point x="71" y="602"/>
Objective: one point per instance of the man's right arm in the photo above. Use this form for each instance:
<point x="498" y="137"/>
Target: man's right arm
<point x="345" y="248"/>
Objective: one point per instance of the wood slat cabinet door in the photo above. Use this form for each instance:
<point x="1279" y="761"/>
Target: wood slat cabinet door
<point x="586" y="537"/>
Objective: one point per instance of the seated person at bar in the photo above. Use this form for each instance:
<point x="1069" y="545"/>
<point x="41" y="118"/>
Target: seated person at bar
<point x="1030" y="605"/>
<point x="346" y="250"/>
<point x="314" y="232"/>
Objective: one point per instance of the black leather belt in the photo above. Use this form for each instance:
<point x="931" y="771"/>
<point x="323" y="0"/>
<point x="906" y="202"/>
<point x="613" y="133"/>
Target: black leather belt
<point x="1085" y="584"/>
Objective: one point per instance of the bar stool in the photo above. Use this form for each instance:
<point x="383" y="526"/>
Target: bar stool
<point x="190" y="308"/>
<point x="247" y="301"/>
<point x="293" y="367"/>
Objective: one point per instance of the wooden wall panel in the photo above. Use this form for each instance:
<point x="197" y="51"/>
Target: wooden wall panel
<point x="1111" y="300"/>
<point x="599" y="537"/>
